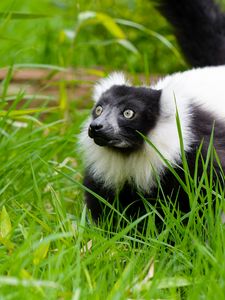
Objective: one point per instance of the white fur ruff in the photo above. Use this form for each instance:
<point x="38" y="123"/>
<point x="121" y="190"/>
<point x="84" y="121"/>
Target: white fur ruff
<point x="113" y="169"/>
<point x="204" y="87"/>
<point x="115" y="78"/>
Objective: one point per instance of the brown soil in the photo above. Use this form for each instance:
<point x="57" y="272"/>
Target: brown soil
<point x="77" y="84"/>
<point x="41" y="83"/>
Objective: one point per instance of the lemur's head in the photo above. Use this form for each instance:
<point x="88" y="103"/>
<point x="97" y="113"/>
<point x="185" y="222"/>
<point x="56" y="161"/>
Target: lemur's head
<point x="120" y="112"/>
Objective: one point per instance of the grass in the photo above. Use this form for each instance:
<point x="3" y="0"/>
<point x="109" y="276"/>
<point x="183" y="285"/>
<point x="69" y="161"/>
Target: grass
<point x="49" y="247"/>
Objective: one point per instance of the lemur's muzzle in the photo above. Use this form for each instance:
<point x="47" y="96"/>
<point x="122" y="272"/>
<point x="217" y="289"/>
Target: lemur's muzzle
<point x="97" y="132"/>
<point x="94" y="129"/>
<point x="104" y="135"/>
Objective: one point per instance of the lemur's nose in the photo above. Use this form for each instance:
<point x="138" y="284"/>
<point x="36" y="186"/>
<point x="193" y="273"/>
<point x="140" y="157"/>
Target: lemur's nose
<point x="94" y="128"/>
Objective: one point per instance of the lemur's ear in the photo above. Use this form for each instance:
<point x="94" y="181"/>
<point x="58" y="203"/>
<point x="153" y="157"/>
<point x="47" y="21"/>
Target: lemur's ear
<point x="115" y="78"/>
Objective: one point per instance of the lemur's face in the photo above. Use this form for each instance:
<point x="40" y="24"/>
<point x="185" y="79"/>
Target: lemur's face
<point x="121" y="113"/>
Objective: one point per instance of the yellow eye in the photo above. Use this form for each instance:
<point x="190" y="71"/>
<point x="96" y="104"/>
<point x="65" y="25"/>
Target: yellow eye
<point x="128" y="114"/>
<point x="98" y="110"/>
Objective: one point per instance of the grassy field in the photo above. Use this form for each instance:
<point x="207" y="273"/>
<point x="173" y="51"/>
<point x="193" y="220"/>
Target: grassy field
<point x="49" y="249"/>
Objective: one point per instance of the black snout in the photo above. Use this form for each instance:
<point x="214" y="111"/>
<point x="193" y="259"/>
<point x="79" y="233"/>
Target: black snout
<point x="94" y="129"/>
<point x="98" y="132"/>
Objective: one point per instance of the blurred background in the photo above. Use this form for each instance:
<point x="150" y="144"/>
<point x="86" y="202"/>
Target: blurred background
<point x="114" y="34"/>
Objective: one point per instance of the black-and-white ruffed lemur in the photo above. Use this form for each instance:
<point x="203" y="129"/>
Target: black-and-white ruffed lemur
<point x="119" y="162"/>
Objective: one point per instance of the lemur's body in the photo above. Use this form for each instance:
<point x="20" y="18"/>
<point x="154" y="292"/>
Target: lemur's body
<point x="118" y="160"/>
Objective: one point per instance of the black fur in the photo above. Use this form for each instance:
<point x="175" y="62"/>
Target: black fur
<point x="129" y="198"/>
<point x="205" y="124"/>
<point x="199" y="26"/>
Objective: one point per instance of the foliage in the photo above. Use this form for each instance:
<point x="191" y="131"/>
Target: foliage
<point x="86" y="33"/>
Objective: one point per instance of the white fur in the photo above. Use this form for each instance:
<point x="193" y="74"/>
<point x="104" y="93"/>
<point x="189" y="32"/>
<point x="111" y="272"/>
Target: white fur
<point x="202" y="86"/>
<point x="115" y="78"/>
<point x="205" y="87"/>
<point x="112" y="169"/>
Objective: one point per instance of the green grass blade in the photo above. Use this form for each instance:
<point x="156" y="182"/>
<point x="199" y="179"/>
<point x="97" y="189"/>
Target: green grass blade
<point x="24" y="16"/>
<point x="154" y="34"/>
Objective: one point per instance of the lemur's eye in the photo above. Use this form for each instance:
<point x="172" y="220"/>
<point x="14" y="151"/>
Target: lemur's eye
<point x="128" y="114"/>
<point x="98" y="110"/>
